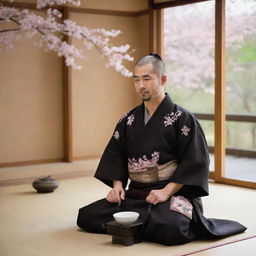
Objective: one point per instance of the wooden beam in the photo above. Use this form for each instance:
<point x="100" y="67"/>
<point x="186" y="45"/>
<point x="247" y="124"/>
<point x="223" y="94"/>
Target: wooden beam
<point x="248" y="118"/>
<point x="31" y="162"/>
<point x="240" y="183"/>
<point x="204" y="116"/>
<point x="220" y="132"/>
<point x="67" y="103"/>
<point x="107" y="12"/>
<point x="236" y="152"/>
<point x="241" y="118"/>
<point x="58" y="176"/>
<point x="175" y="3"/>
<point x="21" y="5"/>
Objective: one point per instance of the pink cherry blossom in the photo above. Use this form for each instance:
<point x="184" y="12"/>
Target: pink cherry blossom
<point x="171" y="118"/>
<point x="44" y="3"/>
<point x="116" y="135"/>
<point x="189" y="40"/>
<point x="130" y="120"/>
<point x="52" y="30"/>
<point x="143" y="163"/>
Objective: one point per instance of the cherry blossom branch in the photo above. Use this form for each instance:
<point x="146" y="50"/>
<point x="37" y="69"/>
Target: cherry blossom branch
<point x="38" y="30"/>
<point x="10" y="30"/>
<point x="51" y="30"/>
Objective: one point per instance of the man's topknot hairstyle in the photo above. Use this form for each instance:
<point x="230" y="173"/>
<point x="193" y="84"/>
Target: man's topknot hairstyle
<point x="156" y="60"/>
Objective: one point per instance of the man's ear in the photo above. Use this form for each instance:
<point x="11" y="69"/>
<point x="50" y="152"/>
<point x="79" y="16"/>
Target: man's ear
<point x="163" y="79"/>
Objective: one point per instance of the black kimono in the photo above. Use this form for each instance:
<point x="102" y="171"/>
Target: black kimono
<point x="170" y="147"/>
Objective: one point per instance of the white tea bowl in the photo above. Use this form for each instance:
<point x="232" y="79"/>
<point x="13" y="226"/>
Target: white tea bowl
<point x="126" y="217"/>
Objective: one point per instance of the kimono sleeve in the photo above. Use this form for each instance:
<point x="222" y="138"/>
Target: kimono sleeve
<point x="113" y="163"/>
<point x="193" y="158"/>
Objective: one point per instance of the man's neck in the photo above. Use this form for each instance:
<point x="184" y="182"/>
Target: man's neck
<point x="153" y="104"/>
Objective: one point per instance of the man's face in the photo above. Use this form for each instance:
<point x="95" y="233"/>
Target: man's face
<point x="147" y="84"/>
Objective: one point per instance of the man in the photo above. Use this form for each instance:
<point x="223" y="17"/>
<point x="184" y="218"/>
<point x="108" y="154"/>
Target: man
<point x="161" y="148"/>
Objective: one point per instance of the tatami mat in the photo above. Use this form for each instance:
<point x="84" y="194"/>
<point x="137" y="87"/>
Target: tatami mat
<point x="33" y="224"/>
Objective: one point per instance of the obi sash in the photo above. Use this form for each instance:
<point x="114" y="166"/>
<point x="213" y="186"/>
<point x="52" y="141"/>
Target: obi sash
<point x="153" y="174"/>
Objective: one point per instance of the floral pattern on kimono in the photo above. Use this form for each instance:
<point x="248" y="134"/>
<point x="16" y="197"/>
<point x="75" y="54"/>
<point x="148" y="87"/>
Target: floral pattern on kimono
<point x="170" y="119"/>
<point x="143" y="163"/>
<point x="130" y="120"/>
<point x="116" y="135"/>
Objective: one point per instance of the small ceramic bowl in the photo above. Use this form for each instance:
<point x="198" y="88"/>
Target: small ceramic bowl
<point x="45" y="185"/>
<point x="126" y="217"/>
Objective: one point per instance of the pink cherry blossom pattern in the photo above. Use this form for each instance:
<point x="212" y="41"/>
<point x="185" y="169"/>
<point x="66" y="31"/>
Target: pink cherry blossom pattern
<point x="143" y="163"/>
<point x="170" y="119"/>
<point x="130" y="119"/>
<point x="116" y="135"/>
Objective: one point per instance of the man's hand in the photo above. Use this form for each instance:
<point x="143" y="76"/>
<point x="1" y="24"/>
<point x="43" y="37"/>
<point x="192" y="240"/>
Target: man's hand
<point x="117" y="193"/>
<point x="162" y="195"/>
<point x="157" y="196"/>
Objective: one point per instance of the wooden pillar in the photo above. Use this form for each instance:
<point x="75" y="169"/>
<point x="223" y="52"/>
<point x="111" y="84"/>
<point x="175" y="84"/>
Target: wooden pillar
<point x="220" y="131"/>
<point x="151" y="31"/>
<point x="67" y="98"/>
<point x="160" y="31"/>
<point x="155" y="28"/>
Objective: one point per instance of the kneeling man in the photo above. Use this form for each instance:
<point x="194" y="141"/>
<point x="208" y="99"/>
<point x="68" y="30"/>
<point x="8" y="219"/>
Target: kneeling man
<point x="160" y="147"/>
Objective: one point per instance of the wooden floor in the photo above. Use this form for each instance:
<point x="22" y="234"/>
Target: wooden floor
<point x="239" y="168"/>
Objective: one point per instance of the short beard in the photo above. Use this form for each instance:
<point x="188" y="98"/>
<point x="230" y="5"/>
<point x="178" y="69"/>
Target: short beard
<point x="146" y="99"/>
